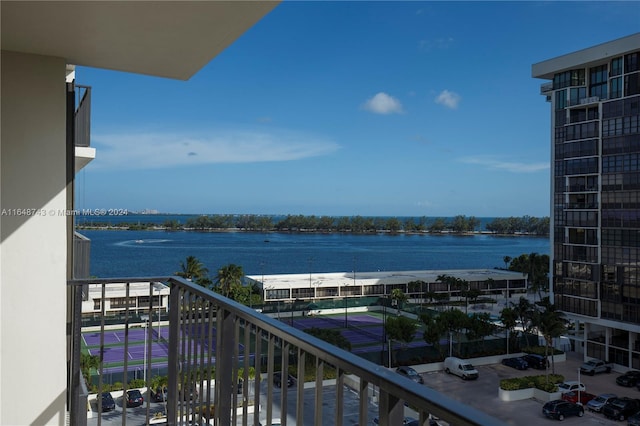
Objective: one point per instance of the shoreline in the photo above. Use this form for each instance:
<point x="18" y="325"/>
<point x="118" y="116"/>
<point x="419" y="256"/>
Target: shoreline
<point x="130" y="227"/>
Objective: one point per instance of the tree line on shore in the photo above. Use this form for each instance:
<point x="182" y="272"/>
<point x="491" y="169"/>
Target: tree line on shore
<point x="460" y="224"/>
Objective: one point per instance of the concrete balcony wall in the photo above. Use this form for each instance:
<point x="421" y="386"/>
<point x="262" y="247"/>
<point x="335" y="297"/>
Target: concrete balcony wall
<point x="33" y="249"/>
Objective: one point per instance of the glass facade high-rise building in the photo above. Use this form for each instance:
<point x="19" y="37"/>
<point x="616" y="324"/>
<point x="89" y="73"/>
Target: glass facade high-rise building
<point x="595" y="195"/>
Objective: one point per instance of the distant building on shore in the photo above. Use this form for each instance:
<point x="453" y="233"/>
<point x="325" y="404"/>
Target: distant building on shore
<point x="415" y="284"/>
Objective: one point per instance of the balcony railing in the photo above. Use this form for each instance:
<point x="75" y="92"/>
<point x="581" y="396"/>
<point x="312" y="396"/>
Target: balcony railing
<point x="545" y="88"/>
<point x="212" y="346"/>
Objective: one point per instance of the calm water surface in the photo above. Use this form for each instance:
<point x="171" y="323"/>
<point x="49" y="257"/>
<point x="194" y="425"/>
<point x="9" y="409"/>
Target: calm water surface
<point x="153" y="253"/>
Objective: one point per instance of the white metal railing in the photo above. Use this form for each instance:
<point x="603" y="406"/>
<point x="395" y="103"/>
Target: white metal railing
<point x="214" y="343"/>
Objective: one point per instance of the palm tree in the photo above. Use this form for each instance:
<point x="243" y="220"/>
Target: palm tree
<point x="192" y="269"/>
<point x="449" y="281"/>
<point x="506" y="261"/>
<point x="398" y="298"/>
<point x="551" y="324"/>
<point x="525" y="312"/>
<point x="87" y="363"/>
<point x="509" y="319"/>
<point x="229" y="280"/>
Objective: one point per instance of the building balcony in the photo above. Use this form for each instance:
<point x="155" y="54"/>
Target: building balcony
<point x="546" y="88"/>
<point x="82" y="127"/>
<point x="582" y="206"/>
<point x="208" y="346"/>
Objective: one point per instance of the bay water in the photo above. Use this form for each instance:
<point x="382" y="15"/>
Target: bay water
<point x="123" y="253"/>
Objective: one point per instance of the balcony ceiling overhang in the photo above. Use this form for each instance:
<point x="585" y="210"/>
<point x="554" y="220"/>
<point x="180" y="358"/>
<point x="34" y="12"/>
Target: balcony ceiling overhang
<point x="171" y="39"/>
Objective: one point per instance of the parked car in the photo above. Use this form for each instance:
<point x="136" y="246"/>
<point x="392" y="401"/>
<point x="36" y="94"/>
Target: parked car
<point x="405" y="421"/>
<point x="189" y="394"/>
<point x="159" y="394"/>
<point x="538" y="362"/>
<point x="584" y="397"/>
<point x="570" y="386"/>
<point x="410" y="373"/>
<point x="134" y="398"/>
<point x="108" y="404"/>
<point x="516" y="362"/>
<point x="594" y="366"/>
<point x="621" y="408"/>
<point x="629" y="379"/>
<point x="274" y="422"/>
<point x="460" y="367"/>
<point x="277" y="379"/>
<point x="634" y="420"/>
<point x="559" y="409"/>
<point x="598" y="402"/>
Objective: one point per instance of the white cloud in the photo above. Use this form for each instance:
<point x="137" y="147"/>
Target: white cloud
<point x="160" y="150"/>
<point x="382" y="103"/>
<point x="508" y="166"/>
<point x="448" y="99"/>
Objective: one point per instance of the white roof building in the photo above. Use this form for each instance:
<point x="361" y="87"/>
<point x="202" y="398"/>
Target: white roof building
<point x="339" y="284"/>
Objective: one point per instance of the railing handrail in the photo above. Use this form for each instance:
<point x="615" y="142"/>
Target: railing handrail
<point x="416" y="395"/>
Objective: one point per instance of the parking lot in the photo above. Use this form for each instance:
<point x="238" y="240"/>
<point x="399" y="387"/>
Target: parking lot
<point x="483" y="393"/>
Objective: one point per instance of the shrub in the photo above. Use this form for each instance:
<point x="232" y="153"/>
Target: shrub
<point x="137" y="383"/>
<point x="539" y="382"/>
<point x="539" y="350"/>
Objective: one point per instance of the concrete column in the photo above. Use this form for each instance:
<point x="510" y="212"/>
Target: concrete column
<point x="33" y="249"/>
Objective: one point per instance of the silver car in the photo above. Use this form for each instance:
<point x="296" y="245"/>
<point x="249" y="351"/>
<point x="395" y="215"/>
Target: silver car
<point x="598" y="402"/>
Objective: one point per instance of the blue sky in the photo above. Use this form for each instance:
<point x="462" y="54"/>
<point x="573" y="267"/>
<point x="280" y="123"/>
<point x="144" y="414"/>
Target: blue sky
<point x="348" y="108"/>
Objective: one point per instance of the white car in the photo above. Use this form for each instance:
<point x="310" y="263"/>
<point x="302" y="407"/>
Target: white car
<point x="274" y="422"/>
<point x="571" y="386"/>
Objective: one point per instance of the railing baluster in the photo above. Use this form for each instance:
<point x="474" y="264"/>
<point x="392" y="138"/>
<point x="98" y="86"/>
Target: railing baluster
<point x="225" y="363"/>
<point x="257" y="362"/>
<point x="125" y="376"/>
<point x="270" y="360"/>
<point x="234" y="372"/>
<point x="390" y="410"/>
<point x="284" y="369"/>
<point x="318" y="391"/>
<point x="302" y="362"/>
<point x="364" y="402"/>
<point x="100" y="382"/>
<point x="148" y="355"/>
<point x="174" y="353"/>
<point x="339" y="397"/>
<point x="246" y="353"/>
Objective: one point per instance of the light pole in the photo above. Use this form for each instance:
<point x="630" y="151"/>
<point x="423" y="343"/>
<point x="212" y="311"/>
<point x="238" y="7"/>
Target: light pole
<point x="579" y="400"/>
<point x="384" y="330"/>
<point x="144" y="318"/>
<point x="346" y="321"/>
<point x="507" y="341"/>
<point x="159" y="313"/>
<point x="310" y="284"/>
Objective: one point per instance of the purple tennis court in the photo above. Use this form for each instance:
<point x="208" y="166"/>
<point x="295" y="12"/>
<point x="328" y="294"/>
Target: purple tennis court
<point x="118" y="336"/>
<point x="336" y="321"/>
<point x="363" y="331"/>
<point x="113" y="354"/>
